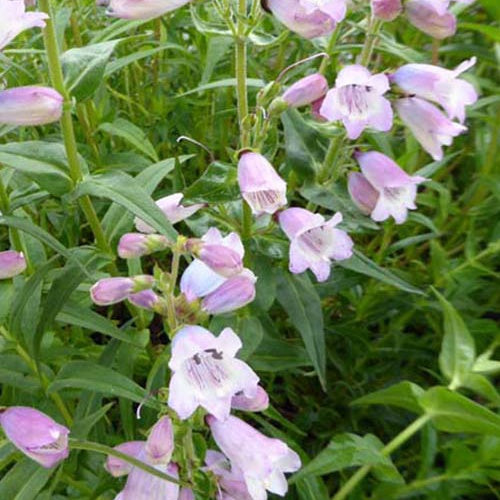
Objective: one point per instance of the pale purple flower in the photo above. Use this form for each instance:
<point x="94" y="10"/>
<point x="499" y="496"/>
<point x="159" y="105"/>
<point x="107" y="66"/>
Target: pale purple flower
<point x="199" y="280"/>
<point x="118" y="467"/>
<point x="140" y="9"/>
<point x="258" y="402"/>
<point x="260" y="185"/>
<point x="429" y="125"/>
<point x="314" y="242"/>
<point x="308" y="18"/>
<point x="15" y="20"/>
<point x="171" y="206"/>
<point x="387" y="10"/>
<point x="144" y="486"/>
<point x="439" y="85"/>
<point x="306" y="90"/>
<point x="431" y="17"/>
<point x="358" y="101"/>
<point x="160" y="444"/>
<point x="37" y="435"/>
<point x="12" y="263"/>
<point x="263" y="461"/>
<point x="186" y="494"/>
<point x="206" y="372"/>
<point x="112" y="290"/>
<point x="133" y="245"/>
<point x="392" y="193"/>
<point x="145" y="299"/>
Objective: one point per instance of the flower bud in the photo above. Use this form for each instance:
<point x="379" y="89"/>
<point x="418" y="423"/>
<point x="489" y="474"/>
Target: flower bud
<point x="221" y="259"/>
<point x="12" y="263"/>
<point x="145" y="299"/>
<point x="431" y="18"/>
<point x="160" y="443"/>
<point x="15" y="20"/>
<point x="259" y="402"/>
<point x="118" y="467"/>
<point x="362" y="192"/>
<point x="140" y="9"/>
<point x="137" y="244"/>
<point x="35" y="434"/>
<point x="387" y="10"/>
<point x="30" y="106"/>
<point x="306" y="91"/>
<point x="112" y="290"/>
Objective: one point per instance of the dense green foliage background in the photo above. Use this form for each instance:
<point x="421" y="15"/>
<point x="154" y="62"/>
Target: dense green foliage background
<point x="375" y="323"/>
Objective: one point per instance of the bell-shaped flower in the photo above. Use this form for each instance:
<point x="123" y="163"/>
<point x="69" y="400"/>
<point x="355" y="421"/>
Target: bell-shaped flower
<point x="15" y="20"/>
<point x="387" y="10"/>
<point x="357" y="100"/>
<point x="439" y="85"/>
<point x="140" y="9"/>
<point x="112" y="290"/>
<point x="171" y="206"/>
<point x="35" y="434"/>
<point x="305" y="91"/>
<point x="429" y="125"/>
<point x="383" y="189"/>
<point x="133" y="245"/>
<point x="263" y="461"/>
<point x="30" y="105"/>
<point x="314" y="241"/>
<point x="308" y="18"/>
<point x="206" y="372"/>
<point x="118" y="467"/>
<point x="258" y="402"/>
<point x="260" y="185"/>
<point x="12" y="263"/>
<point x="431" y="17"/>
<point x="146" y="299"/>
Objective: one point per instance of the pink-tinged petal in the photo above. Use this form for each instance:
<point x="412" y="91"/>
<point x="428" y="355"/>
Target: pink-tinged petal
<point x="379" y="82"/>
<point x="342" y="248"/>
<point x="294" y="221"/>
<point x="381" y="171"/>
<point x="465" y="65"/>
<point x="198" y="280"/>
<point x="454" y="96"/>
<point x="111" y="290"/>
<point x="330" y="107"/>
<point x="180" y="397"/>
<point x="321" y="270"/>
<point x="259" y="402"/>
<point x="245" y="379"/>
<point x="363" y="194"/>
<point x="354" y="127"/>
<point x="381" y="115"/>
<point x="160" y="444"/>
<point x="142" y="9"/>
<point x="355" y="74"/>
<point x="277" y="483"/>
<point x="298" y="260"/>
<point x="306" y="90"/>
<point x="12" y="263"/>
<point x="380" y="212"/>
<point x="145" y="299"/>
<point x="186" y="494"/>
<point x="233" y="241"/>
<point x="188" y="341"/>
<point x="118" y="467"/>
<point x="221" y="259"/>
<point x="387" y="10"/>
<point x="219" y="407"/>
<point x="431" y="18"/>
<point x="229" y="342"/>
<point x="336" y="219"/>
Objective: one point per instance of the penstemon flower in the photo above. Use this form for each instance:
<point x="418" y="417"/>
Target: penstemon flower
<point x="112" y="290"/>
<point x="261" y="460"/>
<point x="206" y="372"/>
<point x="314" y="242"/>
<point x="305" y="91"/>
<point x="383" y="189"/>
<point x="439" y="85"/>
<point x="387" y="10"/>
<point x="12" y="263"/>
<point x="118" y="467"/>
<point x="35" y="434"/>
<point x="258" y="402"/>
<point x="145" y="299"/>
<point x="358" y="101"/>
<point x="15" y="20"/>
<point x="133" y="245"/>
<point x="431" y="17"/>
<point x="140" y="9"/>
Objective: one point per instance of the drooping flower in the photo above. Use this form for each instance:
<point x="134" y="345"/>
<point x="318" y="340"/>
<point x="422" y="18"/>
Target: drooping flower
<point x="431" y="17"/>
<point x="308" y="18"/>
<point x="387" y="10"/>
<point x="206" y="372"/>
<point x="306" y="90"/>
<point x="383" y="189"/>
<point x="30" y="105"/>
<point x="259" y="402"/>
<point x="140" y="9"/>
<point x="171" y="206"/>
<point x="358" y="101"/>
<point x="37" y="435"/>
<point x="260" y="185"/>
<point x="112" y="290"/>
<point x="263" y="461"/>
<point x="12" y="263"/>
<point x="145" y="299"/>
<point x="314" y="242"/>
<point x="429" y="125"/>
<point x="439" y="85"/>
<point x="15" y="20"/>
<point x="118" y="467"/>
<point x="133" y="245"/>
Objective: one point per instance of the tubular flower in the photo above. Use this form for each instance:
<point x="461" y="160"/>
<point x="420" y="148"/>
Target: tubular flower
<point x="387" y="10"/>
<point x="144" y="486"/>
<point x="206" y="372"/>
<point x="35" y="434"/>
<point x="260" y="185"/>
<point x="259" y="402"/>
<point x="15" y="20"/>
<point x="30" y="105"/>
<point x="133" y="245"/>
<point x="429" y="125"/>
<point x="383" y="189"/>
<point x="171" y="206"/>
<point x="357" y="101"/>
<point x="314" y="242"/>
<point x="112" y="290"/>
<point x="308" y="18"/>
<point x="261" y="460"/>
<point x="431" y="17"/>
<point x="12" y="263"/>
<point x="118" y="467"/>
<point x="306" y="90"/>
<point x="140" y="9"/>
<point x="439" y="85"/>
<point x="145" y="299"/>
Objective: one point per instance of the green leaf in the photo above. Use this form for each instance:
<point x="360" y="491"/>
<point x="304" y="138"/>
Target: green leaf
<point x="300" y="300"/>
<point x="81" y="427"/>
<point x="482" y="386"/>
<point x="362" y="264"/>
<point x="251" y="333"/>
<point x="458" y="351"/>
<point x="226" y="82"/>
<point x="84" y="68"/>
<point x="132" y="134"/>
<point x="274" y="355"/>
<point x="43" y="162"/>
<point x="312" y="488"/>
<point x="122" y="189"/>
<point x="24" y="481"/>
<point x="217" y="184"/>
<point x="490" y="31"/>
<point x="403" y="395"/>
<point x="97" y="378"/>
<point x="452" y="412"/>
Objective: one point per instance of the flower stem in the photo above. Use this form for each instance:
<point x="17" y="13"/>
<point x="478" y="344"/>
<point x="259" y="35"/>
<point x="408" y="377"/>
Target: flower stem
<point x="371" y="38"/>
<point x="401" y="438"/>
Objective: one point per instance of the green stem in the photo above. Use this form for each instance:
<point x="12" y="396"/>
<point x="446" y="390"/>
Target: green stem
<point x="174" y="273"/>
<point x="331" y="44"/>
<point x="371" y="38"/>
<point x="401" y="438"/>
<point x="331" y="166"/>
